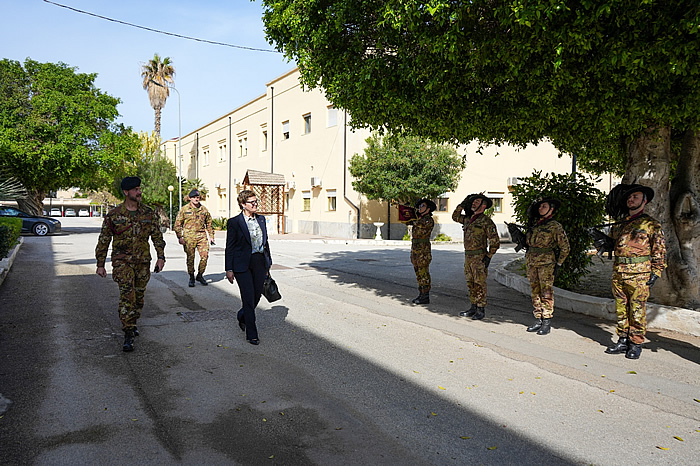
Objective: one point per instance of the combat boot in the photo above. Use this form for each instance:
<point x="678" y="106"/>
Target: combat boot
<point x="191" y="280"/>
<point x="536" y="326"/>
<point x="470" y="312"/>
<point x="619" y="347"/>
<point x="545" y="328"/>
<point x="128" y="340"/>
<point x="423" y="298"/>
<point x="633" y="351"/>
<point x="479" y="314"/>
<point x="201" y="279"/>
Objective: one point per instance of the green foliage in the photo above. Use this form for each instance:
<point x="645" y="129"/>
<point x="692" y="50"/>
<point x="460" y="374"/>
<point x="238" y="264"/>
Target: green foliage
<point x="10" y="187"/>
<point x="587" y="75"/>
<point x="405" y="169"/>
<point x="406" y="236"/>
<point x="219" y="223"/>
<point x="10" y="228"/>
<point x="582" y="207"/>
<point x="442" y="237"/>
<point x="57" y="129"/>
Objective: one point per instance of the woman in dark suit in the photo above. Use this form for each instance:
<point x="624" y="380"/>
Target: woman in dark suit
<point x="247" y="259"/>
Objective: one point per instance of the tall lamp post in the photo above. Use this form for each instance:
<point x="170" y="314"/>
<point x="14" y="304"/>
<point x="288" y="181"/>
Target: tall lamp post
<point x="170" y="188"/>
<point x="179" y="142"/>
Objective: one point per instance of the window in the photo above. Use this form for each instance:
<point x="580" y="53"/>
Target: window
<point x="442" y="204"/>
<point x="222" y="151"/>
<point x="263" y="137"/>
<point x="497" y="199"/>
<point x="205" y="156"/>
<point x="242" y="145"/>
<point x="306" y="195"/>
<point x="307" y="123"/>
<point x="332" y="116"/>
<point x="330" y="193"/>
<point x="285" y="129"/>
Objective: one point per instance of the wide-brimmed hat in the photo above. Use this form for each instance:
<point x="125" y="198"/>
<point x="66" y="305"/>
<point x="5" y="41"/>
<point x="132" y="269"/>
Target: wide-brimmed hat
<point x="431" y="205"/>
<point x="467" y="203"/>
<point x="637" y="188"/>
<point x="534" y="210"/>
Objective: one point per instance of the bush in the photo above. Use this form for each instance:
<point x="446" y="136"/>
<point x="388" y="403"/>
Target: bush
<point x="407" y="236"/>
<point x="582" y="206"/>
<point x="442" y="237"/>
<point x="10" y="229"/>
<point x="219" y="223"/>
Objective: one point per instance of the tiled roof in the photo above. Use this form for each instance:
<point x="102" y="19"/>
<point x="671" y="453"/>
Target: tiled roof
<point x="258" y="177"/>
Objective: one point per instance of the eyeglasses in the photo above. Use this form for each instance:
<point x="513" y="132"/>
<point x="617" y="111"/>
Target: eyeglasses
<point x="252" y="202"/>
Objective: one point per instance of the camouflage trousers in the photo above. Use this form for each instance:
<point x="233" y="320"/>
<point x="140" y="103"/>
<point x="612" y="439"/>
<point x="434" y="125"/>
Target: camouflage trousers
<point x="541" y="286"/>
<point x="132" y="280"/>
<point x="631" y="293"/>
<point x="476" y="273"/>
<point x="421" y="257"/>
<point x="201" y="244"/>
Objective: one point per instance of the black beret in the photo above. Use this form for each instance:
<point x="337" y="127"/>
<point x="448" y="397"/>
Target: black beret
<point x="130" y="182"/>
<point x="193" y="193"/>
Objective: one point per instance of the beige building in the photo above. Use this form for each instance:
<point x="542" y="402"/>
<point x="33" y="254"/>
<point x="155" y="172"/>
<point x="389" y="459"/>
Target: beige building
<point x="302" y="138"/>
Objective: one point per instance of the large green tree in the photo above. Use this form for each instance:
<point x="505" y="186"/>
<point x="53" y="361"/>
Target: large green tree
<point x="405" y="169"/>
<point x="157" y="75"/>
<point x="614" y="82"/>
<point x="57" y="130"/>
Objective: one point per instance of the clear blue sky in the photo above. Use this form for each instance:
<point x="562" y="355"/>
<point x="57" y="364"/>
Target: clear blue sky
<point x="212" y="79"/>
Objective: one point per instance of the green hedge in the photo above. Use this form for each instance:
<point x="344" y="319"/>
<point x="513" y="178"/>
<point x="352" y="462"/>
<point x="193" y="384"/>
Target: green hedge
<point x="10" y="229"/>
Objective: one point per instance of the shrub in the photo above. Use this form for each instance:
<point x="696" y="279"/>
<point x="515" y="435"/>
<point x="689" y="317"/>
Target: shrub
<point x="407" y="236"/>
<point x="219" y="223"/>
<point x="10" y="229"/>
<point x="442" y="237"/>
<point x="583" y="206"/>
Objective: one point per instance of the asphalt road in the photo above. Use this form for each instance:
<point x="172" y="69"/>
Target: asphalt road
<point x="348" y="370"/>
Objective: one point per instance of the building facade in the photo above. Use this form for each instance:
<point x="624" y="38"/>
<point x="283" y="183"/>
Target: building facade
<point x="298" y="134"/>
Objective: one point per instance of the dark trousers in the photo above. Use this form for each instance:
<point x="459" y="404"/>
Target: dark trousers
<point x="250" y="284"/>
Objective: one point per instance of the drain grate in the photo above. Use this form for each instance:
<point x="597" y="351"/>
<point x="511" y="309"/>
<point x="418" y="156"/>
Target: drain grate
<point x="201" y="316"/>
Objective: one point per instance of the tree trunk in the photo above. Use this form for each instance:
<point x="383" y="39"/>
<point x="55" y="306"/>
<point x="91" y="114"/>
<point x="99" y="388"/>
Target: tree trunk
<point x="34" y="202"/>
<point x="157" y="110"/>
<point x="675" y="205"/>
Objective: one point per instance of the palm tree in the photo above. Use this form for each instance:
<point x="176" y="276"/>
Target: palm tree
<point x="156" y="74"/>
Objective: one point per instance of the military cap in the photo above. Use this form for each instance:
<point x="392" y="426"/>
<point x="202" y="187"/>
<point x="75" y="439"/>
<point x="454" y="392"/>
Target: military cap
<point x="430" y="204"/>
<point x="130" y="182"/>
<point x="467" y="202"/>
<point x="194" y="193"/>
<point x="636" y="188"/>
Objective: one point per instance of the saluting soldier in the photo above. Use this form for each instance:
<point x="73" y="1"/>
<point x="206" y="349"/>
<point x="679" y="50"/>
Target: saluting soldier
<point x="547" y="249"/>
<point x="128" y="227"/>
<point x="192" y="224"/>
<point x="640" y="258"/>
<point x="421" y="254"/>
<point x="481" y="242"/>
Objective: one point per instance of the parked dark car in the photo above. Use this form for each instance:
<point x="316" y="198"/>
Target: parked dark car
<point x="37" y="224"/>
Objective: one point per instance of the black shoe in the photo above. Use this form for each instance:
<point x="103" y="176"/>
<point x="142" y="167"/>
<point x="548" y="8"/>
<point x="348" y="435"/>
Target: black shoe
<point x="423" y="298"/>
<point x="619" y="347"/>
<point x="470" y="312"/>
<point x="128" y="340"/>
<point x="241" y="325"/>
<point x="479" y="314"/>
<point x="136" y="332"/>
<point x="634" y="351"/>
<point x="546" y="327"/>
<point x="191" y="281"/>
<point x="254" y="341"/>
<point x="201" y="280"/>
<point x="536" y="326"/>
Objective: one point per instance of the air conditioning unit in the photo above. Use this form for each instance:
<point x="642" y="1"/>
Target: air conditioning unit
<point x="291" y="185"/>
<point x="217" y="185"/>
<point x="513" y="180"/>
<point x="316" y="182"/>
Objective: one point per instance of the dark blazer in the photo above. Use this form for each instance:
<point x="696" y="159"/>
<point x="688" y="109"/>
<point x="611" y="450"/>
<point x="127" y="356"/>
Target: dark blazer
<point x="239" y="246"/>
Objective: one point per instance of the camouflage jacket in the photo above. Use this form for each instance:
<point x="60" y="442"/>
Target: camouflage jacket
<point x="129" y="232"/>
<point x="191" y="221"/>
<point x="422" y="229"/>
<point x="479" y="231"/>
<point x="637" y="239"/>
<point x="547" y="244"/>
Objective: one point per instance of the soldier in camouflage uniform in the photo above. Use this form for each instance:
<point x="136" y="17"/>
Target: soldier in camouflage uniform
<point x="479" y="232"/>
<point x="192" y="224"/>
<point x="421" y="254"/>
<point x="547" y="248"/>
<point x="128" y="227"/>
<point x="640" y="258"/>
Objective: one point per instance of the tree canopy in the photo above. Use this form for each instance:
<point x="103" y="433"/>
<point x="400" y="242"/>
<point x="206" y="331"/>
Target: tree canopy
<point x="405" y="169"/>
<point x="57" y="129"/>
<point x="157" y="75"/>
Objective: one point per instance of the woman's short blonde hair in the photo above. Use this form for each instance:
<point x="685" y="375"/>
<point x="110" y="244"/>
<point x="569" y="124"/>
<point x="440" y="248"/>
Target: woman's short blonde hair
<point x="244" y="196"/>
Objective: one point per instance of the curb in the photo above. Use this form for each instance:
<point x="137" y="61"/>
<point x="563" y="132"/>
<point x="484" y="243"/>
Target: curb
<point x="658" y="316"/>
<point x="6" y="263"/>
